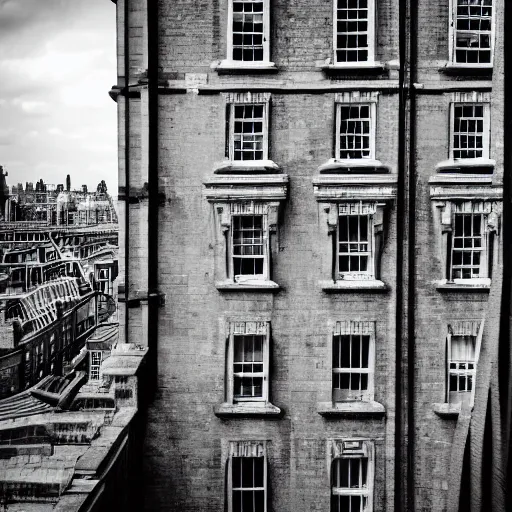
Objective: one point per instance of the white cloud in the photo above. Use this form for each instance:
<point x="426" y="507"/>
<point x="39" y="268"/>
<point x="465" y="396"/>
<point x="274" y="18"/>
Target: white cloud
<point x="57" y="63"/>
<point x="7" y="136"/>
<point x="32" y="107"/>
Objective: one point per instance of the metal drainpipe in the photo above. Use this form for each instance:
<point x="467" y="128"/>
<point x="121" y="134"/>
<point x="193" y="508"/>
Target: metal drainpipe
<point x="404" y="314"/>
<point x="153" y="197"/>
<point x="411" y="290"/>
<point x="126" y="166"/>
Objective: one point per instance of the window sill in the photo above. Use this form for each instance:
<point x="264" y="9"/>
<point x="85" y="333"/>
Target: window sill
<point x="482" y="285"/>
<point x="262" y="409"/>
<point x="232" y="66"/>
<point x="467" y="165"/>
<point x="361" y="166"/>
<point x="247" y="286"/>
<point x="345" y="286"/>
<point x="447" y="410"/>
<point x="453" y="68"/>
<point x="350" y="408"/>
<point x="256" y="166"/>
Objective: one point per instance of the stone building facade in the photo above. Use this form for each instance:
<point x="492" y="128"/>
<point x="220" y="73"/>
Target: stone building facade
<point x="311" y="195"/>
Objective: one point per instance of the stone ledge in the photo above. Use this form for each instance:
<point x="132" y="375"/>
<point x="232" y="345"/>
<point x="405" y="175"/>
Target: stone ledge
<point x="483" y="287"/>
<point x="344" y="286"/>
<point x="447" y="410"/>
<point x="350" y="408"/>
<point x="362" y="165"/>
<point x="453" y="68"/>
<point x="252" y="409"/>
<point x="239" y="67"/>
<point x="252" y="286"/>
<point x="475" y="166"/>
<point x="246" y="166"/>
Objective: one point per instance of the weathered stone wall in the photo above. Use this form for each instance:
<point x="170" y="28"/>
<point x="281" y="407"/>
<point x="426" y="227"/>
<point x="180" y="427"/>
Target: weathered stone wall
<point x="183" y="457"/>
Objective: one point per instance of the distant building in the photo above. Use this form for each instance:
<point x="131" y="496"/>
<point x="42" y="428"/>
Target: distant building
<point x="54" y="205"/>
<point x="70" y="442"/>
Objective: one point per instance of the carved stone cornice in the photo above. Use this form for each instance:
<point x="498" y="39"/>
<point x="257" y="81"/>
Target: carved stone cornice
<point x="464" y="186"/>
<point x="365" y="187"/>
<point x="262" y="187"/>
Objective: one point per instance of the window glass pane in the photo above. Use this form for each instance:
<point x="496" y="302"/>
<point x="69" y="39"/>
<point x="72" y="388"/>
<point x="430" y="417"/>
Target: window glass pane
<point x="344" y="472"/>
<point x="352" y="31"/>
<point x="356" y="352"/>
<point x="247" y="132"/>
<point x="258" y="471"/>
<point x="467" y="245"/>
<point x="236" y="464"/>
<point x="353" y="244"/>
<point x="473" y="31"/>
<point x="247" y="471"/>
<point x="461" y="368"/>
<point x="248" y="484"/>
<point x="247" y="244"/>
<point x="248" y="367"/>
<point x="354" y="131"/>
<point x="365" y="351"/>
<point x="468" y="131"/>
<point x="247" y="29"/>
<point x="350" y="367"/>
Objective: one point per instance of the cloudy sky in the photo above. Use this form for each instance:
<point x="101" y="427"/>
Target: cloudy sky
<point x="57" y="64"/>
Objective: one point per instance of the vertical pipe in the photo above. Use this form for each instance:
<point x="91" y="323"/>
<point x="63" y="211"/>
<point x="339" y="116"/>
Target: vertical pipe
<point x="126" y="168"/>
<point x="153" y="196"/>
<point x="411" y="247"/>
<point x="402" y="469"/>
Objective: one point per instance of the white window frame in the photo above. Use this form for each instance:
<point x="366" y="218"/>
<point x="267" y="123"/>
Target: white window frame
<point x="370" y="37"/>
<point x="94" y="367"/>
<point x="355" y="328"/>
<point x="358" y="208"/>
<point x="356" y="98"/>
<point x="472" y="328"/>
<point x="352" y="448"/>
<point x="247" y="98"/>
<point x="241" y="277"/>
<point x="453" y="38"/>
<point x="104" y="284"/>
<point x="472" y="99"/>
<point x="250" y="209"/>
<point x="248" y="328"/>
<point x="266" y="37"/>
<point x="484" y="209"/>
<point x="247" y="449"/>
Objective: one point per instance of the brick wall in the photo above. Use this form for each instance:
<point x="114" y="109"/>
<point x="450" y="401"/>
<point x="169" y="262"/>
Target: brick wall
<point x="184" y="462"/>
